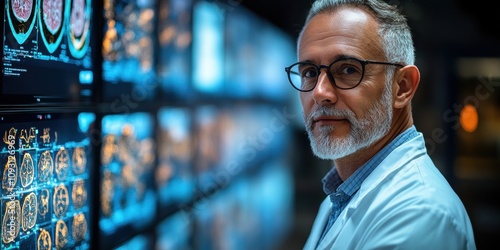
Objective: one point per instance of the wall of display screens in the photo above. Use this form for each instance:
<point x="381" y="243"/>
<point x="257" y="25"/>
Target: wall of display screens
<point x="146" y="157"/>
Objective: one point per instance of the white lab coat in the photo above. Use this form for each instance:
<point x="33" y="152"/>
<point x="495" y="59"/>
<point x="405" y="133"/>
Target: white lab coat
<point x="405" y="203"/>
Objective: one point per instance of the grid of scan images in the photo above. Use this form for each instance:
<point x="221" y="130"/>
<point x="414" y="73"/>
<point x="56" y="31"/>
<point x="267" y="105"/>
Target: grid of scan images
<point x="45" y="181"/>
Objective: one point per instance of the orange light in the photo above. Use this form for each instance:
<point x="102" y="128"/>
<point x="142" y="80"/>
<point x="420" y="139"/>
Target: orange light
<point x="469" y="118"/>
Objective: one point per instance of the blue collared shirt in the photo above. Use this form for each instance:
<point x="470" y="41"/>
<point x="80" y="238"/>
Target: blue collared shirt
<point x="341" y="192"/>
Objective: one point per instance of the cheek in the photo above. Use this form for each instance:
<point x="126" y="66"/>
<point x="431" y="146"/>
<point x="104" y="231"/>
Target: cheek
<point x="366" y="101"/>
<point x="306" y="101"/>
<point x="362" y="101"/>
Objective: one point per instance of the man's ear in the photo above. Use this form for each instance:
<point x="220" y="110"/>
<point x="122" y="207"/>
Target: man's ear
<point x="407" y="80"/>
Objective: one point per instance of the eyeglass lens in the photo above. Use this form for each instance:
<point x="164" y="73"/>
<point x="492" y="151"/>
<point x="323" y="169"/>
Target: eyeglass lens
<point x="346" y="74"/>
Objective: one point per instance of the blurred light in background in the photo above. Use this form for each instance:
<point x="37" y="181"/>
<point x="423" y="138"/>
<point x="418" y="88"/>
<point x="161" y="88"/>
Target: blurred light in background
<point x="473" y="67"/>
<point x="208" y="48"/>
<point x="469" y="118"/>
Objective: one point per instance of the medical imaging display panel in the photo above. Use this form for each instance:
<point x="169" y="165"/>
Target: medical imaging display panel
<point x="127" y="187"/>
<point x="128" y="50"/>
<point x="254" y="63"/>
<point x="175" y="38"/>
<point x="208" y="50"/>
<point x="47" y="50"/>
<point x="174" y="175"/>
<point x="45" y="160"/>
<point x="230" y="140"/>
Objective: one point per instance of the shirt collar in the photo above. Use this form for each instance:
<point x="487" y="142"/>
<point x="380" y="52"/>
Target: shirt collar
<point x="332" y="183"/>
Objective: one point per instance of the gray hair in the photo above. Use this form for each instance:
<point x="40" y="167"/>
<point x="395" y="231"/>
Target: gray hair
<point x="395" y="33"/>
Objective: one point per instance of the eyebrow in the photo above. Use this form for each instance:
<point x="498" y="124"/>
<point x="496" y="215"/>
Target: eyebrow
<point x="336" y="58"/>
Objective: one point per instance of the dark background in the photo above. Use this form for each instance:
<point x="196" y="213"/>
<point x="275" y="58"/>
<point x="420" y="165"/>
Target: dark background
<point x="435" y="23"/>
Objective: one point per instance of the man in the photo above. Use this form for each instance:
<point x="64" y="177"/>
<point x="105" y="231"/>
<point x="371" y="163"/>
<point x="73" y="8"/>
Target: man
<point x="356" y="77"/>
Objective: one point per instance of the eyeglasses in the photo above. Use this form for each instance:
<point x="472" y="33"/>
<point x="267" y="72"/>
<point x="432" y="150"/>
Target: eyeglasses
<point x="344" y="73"/>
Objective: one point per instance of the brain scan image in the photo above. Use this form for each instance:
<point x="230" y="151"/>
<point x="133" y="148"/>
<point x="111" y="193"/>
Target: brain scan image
<point x="51" y="22"/>
<point x="22" y="9"/>
<point x="21" y="18"/>
<point x="53" y="14"/>
<point x="77" y="17"/>
<point x="78" y="28"/>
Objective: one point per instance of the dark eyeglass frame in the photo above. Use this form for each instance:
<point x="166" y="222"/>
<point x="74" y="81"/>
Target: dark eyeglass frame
<point x="329" y="74"/>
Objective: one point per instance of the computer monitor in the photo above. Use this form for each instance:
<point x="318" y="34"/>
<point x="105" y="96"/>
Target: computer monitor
<point x="127" y="187"/>
<point x="47" y="51"/>
<point x="208" y="49"/>
<point x="128" y="50"/>
<point x="174" y="175"/>
<point x="256" y="52"/>
<point x="46" y="160"/>
<point x="175" y="40"/>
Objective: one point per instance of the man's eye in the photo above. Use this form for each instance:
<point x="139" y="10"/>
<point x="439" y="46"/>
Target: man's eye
<point x="345" y="69"/>
<point x="309" y="73"/>
<point x="349" y="70"/>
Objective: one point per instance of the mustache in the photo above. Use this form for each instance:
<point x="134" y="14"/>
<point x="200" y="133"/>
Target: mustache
<point x="329" y="111"/>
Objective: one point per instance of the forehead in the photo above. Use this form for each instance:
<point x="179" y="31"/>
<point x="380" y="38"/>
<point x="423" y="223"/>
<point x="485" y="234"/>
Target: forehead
<point x="346" y="31"/>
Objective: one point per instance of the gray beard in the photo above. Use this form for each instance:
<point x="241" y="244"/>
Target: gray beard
<point x="364" y="132"/>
